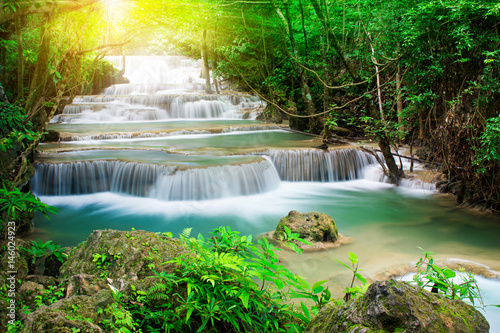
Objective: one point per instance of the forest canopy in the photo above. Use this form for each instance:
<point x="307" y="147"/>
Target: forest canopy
<point x="419" y="72"/>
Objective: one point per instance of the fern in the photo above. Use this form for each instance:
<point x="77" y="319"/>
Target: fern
<point x="159" y="292"/>
<point x="186" y="233"/>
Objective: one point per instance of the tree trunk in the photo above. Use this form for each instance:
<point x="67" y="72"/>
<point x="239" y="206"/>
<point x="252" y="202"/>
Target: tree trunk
<point x="20" y="60"/>
<point x="39" y="81"/>
<point x="304" y="86"/>
<point x="395" y="174"/>
<point x="303" y="27"/>
<point x="399" y="100"/>
<point x="206" y="68"/>
<point x="334" y="42"/>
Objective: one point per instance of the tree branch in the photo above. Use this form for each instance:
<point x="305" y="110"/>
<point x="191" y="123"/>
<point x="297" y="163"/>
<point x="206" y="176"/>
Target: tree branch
<point x="42" y="7"/>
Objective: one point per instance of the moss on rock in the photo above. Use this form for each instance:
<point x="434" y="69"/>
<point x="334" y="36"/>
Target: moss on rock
<point x="314" y="226"/>
<point x="394" y="306"/>
<point x="128" y="255"/>
<point x="78" y="313"/>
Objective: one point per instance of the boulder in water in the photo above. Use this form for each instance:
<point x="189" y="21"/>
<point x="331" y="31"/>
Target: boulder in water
<point x="395" y="306"/>
<point x="314" y="227"/>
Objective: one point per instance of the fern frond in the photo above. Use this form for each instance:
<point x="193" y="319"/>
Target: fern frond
<point x="186" y="233"/>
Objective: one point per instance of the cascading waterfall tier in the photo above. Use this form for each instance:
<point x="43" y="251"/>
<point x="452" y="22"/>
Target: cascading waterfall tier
<point x="217" y="182"/>
<point x="159" y="69"/>
<point x="164" y="182"/>
<point x="139" y="135"/>
<point x="114" y="136"/>
<point x="151" y="89"/>
<point x="165" y="101"/>
<point x="110" y="108"/>
<point x="88" y="177"/>
<point x="320" y="166"/>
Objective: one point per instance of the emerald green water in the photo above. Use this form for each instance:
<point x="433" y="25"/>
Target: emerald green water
<point x="145" y="126"/>
<point x="381" y="219"/>
<point x="220" y="144"/>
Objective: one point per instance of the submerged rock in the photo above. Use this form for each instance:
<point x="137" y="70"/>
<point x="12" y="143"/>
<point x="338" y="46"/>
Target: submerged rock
<point x="128" y="255"/>
<point x="394" y="306"/>
<point x="313" y="227"/>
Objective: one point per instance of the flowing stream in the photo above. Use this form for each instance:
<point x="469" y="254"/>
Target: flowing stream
<point x="161" y="155"/>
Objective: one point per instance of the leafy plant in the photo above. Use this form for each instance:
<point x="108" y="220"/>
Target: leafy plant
<point x="13" y="202"/>
<point x="15" y="126"/>
<point x="354" y="290"/>
<point x="489" y="149"/>
<point x="50" y="295"/>
<point x="101" y="263"/>
<point x="226" y="283"/>
<point x="441" y="280"/>
<point x="39" y="249"/>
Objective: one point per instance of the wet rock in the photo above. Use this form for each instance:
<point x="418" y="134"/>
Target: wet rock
<point x="77" y="313"/>
<point x="128" y="255"/>
<point x="323" y="146"/>
<point x="52" y="136"/>
<point x="314" y="226"/>
<point x="394" y="306"/>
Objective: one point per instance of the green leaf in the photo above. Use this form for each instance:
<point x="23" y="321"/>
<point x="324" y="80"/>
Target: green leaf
<point x="306" y="311"/>
<point x="346" y="266"/>
<point x="279" y="284"/>
<point x="353" y="258"/>
<point x="244" y="296"/>
<point x="317" y="288"/>
<point x="188" y="314"/>
<point x="360" y="278"/>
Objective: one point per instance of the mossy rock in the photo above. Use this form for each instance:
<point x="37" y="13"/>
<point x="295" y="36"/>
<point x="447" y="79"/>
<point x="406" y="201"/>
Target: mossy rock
<point x="314" y="226"/>
<point x="127" y="255"/>
<point x="77" y="313"/>
<point x="20" y="261"/>
<point x="395" y="306"/>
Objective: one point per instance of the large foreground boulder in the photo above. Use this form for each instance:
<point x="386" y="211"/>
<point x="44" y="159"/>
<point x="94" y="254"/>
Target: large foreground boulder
<point x="313" y="227"/>
<point x="74" y="314"/>
<point x="394" y="306"/>
<point x="127" y="255"/>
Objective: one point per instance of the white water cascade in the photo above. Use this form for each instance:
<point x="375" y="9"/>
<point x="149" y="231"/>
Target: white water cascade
<point x="217" y="182"/>
<point x="161" y="88"/>
<point x="87" y="177"/>
<point x="164" y="182"/>
<point x="318" y="165"/>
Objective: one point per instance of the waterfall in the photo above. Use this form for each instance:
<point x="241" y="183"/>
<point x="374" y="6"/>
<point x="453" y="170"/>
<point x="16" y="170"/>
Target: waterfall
<point x="151" y="89"/>
<point x="217" y="182"/>
<point x="157" y="181"/>
<point x="160" y="88"/>
<point x="110" y="108"/>
<point x="87" y="177"/>
<point x="153" y="70"/>
<point x="250" y="128"/>
<point x="318" y="165"/>
<point x="112" y="136"/>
